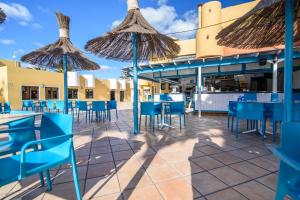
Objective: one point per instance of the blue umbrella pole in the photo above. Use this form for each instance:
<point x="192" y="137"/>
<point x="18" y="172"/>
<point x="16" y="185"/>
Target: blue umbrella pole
<point x="135" y="84"/>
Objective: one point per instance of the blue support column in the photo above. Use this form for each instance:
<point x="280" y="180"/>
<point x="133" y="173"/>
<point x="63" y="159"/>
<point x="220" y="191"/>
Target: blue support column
<point x="135" y="83"/>
<point x="65" y="63"/>
<point x="288" y="68"/>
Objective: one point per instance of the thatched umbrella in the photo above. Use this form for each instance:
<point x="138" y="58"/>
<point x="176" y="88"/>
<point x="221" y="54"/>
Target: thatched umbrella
<point x="134" y="39"/>
<point x="263" y="26"/>
<point x="2" y="16"/>
<point x="61" y="55"/>
<point x="269" y="23"/>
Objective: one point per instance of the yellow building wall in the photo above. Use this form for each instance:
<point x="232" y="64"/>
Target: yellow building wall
<point x="102" y="90"/>
<point x="3" y="85"/>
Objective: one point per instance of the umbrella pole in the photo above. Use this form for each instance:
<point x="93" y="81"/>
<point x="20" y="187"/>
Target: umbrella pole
<point x="65" y="63"/>
<point x="135" y="84"/>
<point x="288" y="68"/>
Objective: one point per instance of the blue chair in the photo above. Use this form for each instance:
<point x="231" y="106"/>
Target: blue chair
<point x="1" y="111"/>
<point x="18" y="137"/>
<point x="112" y="105"/>
<point x="150" y="109"/>
<point x="176" y="108"/>
<point x="277" y="116"/>
<point x="296" y="96"/>
<point x="42" y="106"/>
<point x="232" y="106"/>
<point x="26" y="104"/>
<point x="83" y="106"/>
<point x="56" y="148"/>
<point x="7" y="108"/>
<point x="289" y="155"/>
<point x="296" y="112"/>
<point x="50" y="105"/>
<point x="60" y="106"/>
<point x="251" y="111"/>
<point x="71" y="106"/>
<point x="164" y="97"/>
<point x="274" y="97"/>
<point x="99" y="108"/>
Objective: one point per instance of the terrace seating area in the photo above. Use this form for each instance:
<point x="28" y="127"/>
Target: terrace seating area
<point x="191" y="163"/>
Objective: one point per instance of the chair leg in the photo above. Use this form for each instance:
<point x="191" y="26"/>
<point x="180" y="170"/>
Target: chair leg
<point x="232" y="122"/>
<point x="140" y="123"/>
<point x="247" y="125"/>
<point x="263" y="130"/>
<point x="237" y="129"/>
<point x="42" y="179"/>
<point x="146" y="117"/>
<point x="75" y="174"/>
<point x="180" y="121"/>
<point x="78" y="115"/>
<point x="274" y="130"/>
<point x="117" y="114"/>
<point x="93" y="116"/>
<point x="184" y="119"/>
<point x="49" y="183"/>
<point x="228" y="119"/>
<point x="153" y="122"/>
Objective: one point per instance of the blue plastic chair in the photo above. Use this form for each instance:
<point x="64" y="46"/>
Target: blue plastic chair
<point x="150" y="109"/>
<point x="50" y="105"/>
<point x="7" y="108"/>
<point x="289" y="155"/>
<point x="232" y="106"/>
<point x="250" y="97"/>
<point x="42" y="106"/>
<point x="18" y="137"/>
<point x="296" y="96"/>
<point x="26" y="104"/>
<point x="83" y="106"/>
<point x="1" y="111"/>
<point x="176" y="108"/>
<point x="250" y="111"/>
<point x="60" y="106"/>
<point x="164" y="97"/>
<point x="274" y="97"/>
<point x="277" y="116"/>
<point x="56" y="149"/>
<point x="99" y="108"/>
<point x="296" y="112"/>
<point x="112" y="105"/>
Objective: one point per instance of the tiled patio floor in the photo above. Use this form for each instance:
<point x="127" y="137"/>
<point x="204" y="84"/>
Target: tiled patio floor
<point x="203" y="161"/>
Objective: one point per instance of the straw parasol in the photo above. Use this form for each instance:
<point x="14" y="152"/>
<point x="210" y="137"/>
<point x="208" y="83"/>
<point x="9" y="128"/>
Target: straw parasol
<point x="134" y="39"/>
<point x="118" y="45"/>
<point x="263" y="26"/>
<point x="2" y="16"/>
<point x="61" y="54"/>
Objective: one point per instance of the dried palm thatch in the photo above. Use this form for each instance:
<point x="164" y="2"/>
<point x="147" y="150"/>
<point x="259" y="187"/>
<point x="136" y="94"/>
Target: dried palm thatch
<point x="2" y="16"/>
<point x="51" y="55"/>
<point x="263" y="26"/>
<point x="118" y="45"/>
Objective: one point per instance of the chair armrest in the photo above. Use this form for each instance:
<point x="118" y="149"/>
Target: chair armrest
<point x="28" y="144"/>
<point x="18" y="129"/>
<point x="286" y="159"/>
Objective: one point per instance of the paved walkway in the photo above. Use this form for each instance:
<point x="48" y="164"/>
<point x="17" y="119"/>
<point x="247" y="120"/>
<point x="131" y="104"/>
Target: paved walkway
<point x="203" y="161"/>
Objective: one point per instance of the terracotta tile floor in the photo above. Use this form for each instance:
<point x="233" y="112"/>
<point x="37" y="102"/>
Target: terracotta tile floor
<point x="202" y="161"/>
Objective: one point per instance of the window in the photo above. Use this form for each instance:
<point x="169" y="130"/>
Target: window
<point x="51" y="93"/>
<point x="30" y="93"/>
<point x="73" y="93"/>
<point x="89" y="93"/>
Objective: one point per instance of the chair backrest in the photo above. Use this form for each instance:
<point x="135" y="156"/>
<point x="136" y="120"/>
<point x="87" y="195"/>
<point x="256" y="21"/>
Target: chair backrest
<point x="82" y="105"/>
<point x="147" y="108"/>
<point x="50" y="104"/>
<point x="277" y="112"/>
<point x="274" y="97"/>
<point x="53" y="125"/>
<point x="7" y="108"/>
<point x="296" y="112"/>
<point x="232" y="106"/>
<point x="296" y="96"/>
<point x="60" y="105"/>
<point x="112" y="105"/>
<point x="290" y="138"/>
<point x="19" y="139"/>
<point x="98" y="105"/>
<point x="163" y="97"/>
<point x="76" y="104"/>
<point x="43" y="103"/>
<point x="250" y="97"/>
<point x="1" y="107"/>
<point x="177" y="106"/>
<point x="25" y="103"/>
<point x="249" y="110"/>
<point x="30" y="103"/>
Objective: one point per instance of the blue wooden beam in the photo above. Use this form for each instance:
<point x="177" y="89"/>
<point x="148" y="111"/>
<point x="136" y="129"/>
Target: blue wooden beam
<point x="135" y="84"/>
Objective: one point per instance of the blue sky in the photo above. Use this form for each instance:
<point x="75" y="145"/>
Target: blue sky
<point x="31" y="24"/>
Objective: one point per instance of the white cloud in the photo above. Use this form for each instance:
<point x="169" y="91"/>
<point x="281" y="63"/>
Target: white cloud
<point x="7" y="42"/>
<point x="166" y="20"/>
<point x="38" y="44"/>
<point x="17" y="11"/>
<point x="116" y="23"/>
<point x="107" y="68"/>
<point x="37" y="26"/>
<point x="162" y="2"/>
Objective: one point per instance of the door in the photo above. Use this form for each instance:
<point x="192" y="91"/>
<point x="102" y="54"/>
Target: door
<point x="122" y="96"/>
<point x="112" y="95"/>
